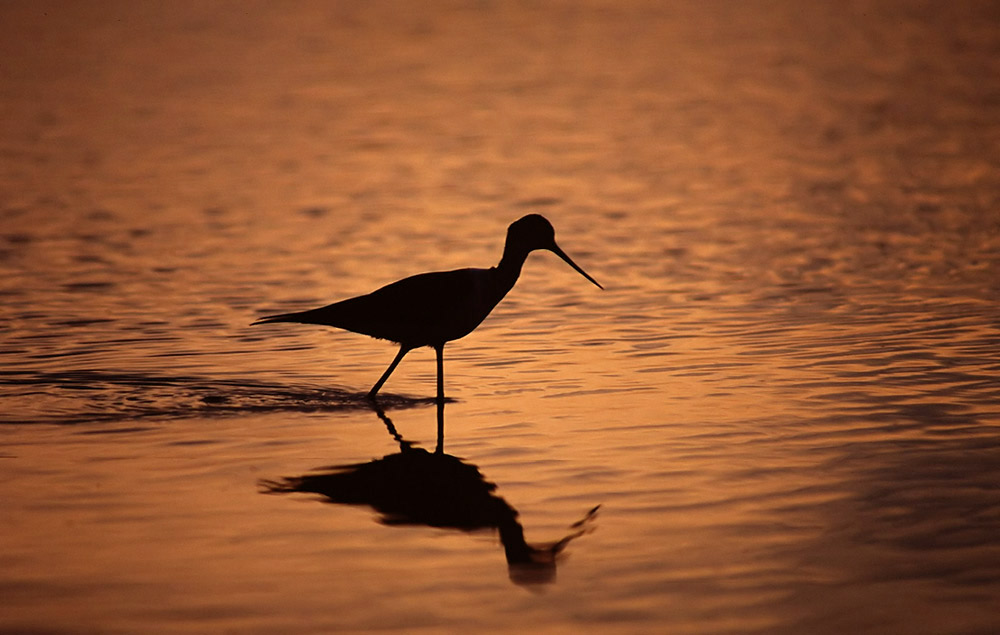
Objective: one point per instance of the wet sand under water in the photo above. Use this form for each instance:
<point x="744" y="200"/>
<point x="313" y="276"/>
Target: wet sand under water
<point x="781" y="415"/>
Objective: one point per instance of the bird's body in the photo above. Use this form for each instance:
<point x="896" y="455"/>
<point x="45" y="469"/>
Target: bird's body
<point x="427" y="309"/>
<point x="431" y="309"/>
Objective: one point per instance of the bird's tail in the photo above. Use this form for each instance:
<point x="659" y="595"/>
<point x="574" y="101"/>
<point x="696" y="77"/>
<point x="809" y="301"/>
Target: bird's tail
<point x="281" y="317"/>
<point x="327" y="315"/>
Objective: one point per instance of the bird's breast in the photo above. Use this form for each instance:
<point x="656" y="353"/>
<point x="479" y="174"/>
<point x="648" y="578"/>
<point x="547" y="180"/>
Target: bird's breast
<point x="460" y="303"/>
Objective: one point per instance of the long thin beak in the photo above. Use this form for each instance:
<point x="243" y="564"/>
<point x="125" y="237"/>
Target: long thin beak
<point x="569" y="261"/>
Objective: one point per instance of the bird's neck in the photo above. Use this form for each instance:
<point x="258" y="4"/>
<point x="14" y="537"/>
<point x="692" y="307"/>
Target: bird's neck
<point x="509" y="268"/>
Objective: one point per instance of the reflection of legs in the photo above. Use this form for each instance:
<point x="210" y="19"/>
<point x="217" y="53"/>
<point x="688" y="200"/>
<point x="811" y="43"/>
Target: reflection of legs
<point x="404" y="445"/>
<point x="388" y="371"/>
<point x="440" y="364"/>
<point x="440" y="444"/>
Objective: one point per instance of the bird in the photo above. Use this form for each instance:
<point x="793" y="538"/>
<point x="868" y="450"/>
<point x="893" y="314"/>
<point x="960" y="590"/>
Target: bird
<point x="432" y="309"/>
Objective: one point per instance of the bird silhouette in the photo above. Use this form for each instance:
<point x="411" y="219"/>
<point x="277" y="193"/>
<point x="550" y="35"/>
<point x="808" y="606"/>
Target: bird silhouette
<point x="431" y="309"/>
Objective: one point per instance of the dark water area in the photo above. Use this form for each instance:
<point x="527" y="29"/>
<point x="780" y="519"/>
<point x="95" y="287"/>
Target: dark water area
<point x="780" y="416"/>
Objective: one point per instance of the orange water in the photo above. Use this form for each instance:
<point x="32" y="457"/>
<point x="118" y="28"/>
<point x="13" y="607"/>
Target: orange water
<point x="785" y="402"/>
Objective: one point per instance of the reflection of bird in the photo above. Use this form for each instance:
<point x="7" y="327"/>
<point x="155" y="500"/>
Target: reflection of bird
<point x="416" y="487"/>
<point x="430" y="309"/>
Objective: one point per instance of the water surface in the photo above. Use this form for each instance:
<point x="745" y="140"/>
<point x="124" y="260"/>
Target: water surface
<point x="784" y="406"/>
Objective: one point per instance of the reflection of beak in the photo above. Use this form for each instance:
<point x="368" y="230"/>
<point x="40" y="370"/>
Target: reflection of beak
<point x="562" y="254"/>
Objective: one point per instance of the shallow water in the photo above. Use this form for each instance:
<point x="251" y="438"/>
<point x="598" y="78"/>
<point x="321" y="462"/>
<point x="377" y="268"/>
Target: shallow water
<point x="784" y="406"/>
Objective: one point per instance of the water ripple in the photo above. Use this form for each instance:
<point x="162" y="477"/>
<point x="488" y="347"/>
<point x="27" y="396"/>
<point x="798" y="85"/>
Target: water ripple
<point x="83" y="396"/>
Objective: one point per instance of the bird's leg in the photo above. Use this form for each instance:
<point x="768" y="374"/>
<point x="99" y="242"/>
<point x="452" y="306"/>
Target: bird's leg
<point x="439" y="350"/>
<point x="440" y="368"/>
<point x="403" y="350"/>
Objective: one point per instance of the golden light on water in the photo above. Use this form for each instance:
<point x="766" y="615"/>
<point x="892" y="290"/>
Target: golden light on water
<point x="783" y="403"/>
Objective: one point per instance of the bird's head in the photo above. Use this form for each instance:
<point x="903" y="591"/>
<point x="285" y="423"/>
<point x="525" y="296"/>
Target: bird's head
<point x="534" y="231"/>
<point x="531" y="232"/>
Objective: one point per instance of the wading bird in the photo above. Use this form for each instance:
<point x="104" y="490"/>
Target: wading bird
<point x="431" y="309"/>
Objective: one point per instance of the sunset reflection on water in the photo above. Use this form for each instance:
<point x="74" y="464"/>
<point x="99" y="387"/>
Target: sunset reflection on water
<point x="784" y="402"/>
